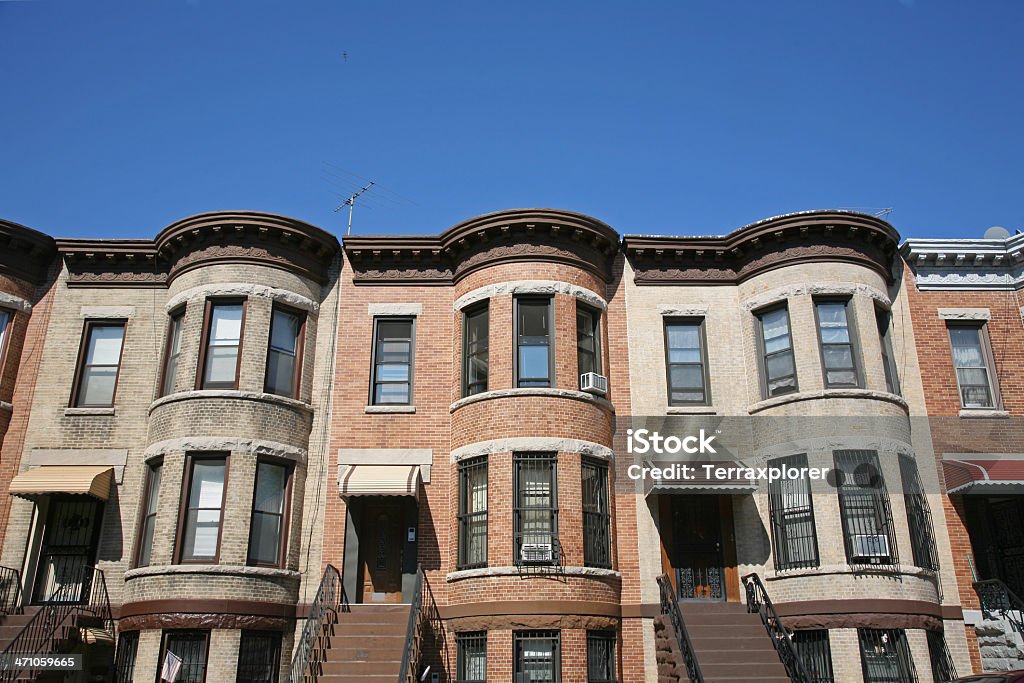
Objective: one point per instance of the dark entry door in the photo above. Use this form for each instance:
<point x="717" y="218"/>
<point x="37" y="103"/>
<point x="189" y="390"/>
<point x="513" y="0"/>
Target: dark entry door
<point x="697" y="547"/>
<point x="381" y="546"/>
<point x="68" y="550"/>
<point x="1006" y="553"/>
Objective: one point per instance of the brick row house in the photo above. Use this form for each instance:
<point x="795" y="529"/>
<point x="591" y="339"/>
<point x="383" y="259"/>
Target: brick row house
<point x="244" y="451"/>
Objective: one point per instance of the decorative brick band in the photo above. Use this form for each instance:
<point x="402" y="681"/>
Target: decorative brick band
<point x="586" y="572"/>
<point x="530" y="287"/>
<point x="817" y="289"/>
<point x="236" y="289"/>
<point x="218" y="569"/>
<point x="15" y="302"/>
<point x="533" y="443"/>
<point x="226" y="443"/>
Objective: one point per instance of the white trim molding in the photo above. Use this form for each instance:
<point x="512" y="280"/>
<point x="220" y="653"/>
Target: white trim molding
<point x="226" y="443"/>
<point x="15" y="302"/>
<point x="227" y="289"/>
<point x="410" y="310"/>
<point x="817" y="289"/>
<point x="530" y="287"/>
<point x="966" y="264"/>
<point x="533" y="443"/>
<point x="965" y="314"/>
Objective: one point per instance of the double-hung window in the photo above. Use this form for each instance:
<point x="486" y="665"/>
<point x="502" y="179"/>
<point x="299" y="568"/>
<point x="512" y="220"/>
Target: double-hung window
<point x="172" y="352"/>
<point x="222" y="344"/>
<point x="269" y="527"/>
<point x="392" y="361"/>
<point x="190" y="649"/>
<point x="864" y="508"/>
<point x="778" y="367"/>
<point x="475" y="343"/>
<point x="473" y="512"/>
<point x="836" y="336"/>
<point x="815" y="653"/>
<point x="471" y="657"/>
<point x="686" y="362"/>
<point x="535" y="366"/>
<point x="919" y="516"/>
<point x="588" y="340"/>
<point x="792" y="517"/>
<point x="601" y="657"/>
<point x="259" y="657"/>
<point x="99" y="364"/>
<point x="6" y="316"/>
<point x="973" y="362"/>
<point x="284" y="353"/>
<point x="536" y="657"/>
<point x="149" y="507"/>
<point x="203" y="510"/>
<point x="885" y="656"/>
<point x="597" y="550"/>
<point x="892" y="377"/>
<point x="536" y="508"/>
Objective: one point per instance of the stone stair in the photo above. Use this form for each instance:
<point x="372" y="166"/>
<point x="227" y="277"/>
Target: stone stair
<point x="366" y="644"/>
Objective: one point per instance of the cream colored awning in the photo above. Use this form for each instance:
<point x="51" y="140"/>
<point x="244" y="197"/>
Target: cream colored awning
<point x="380" y="480"/>
<point x="88" y="480"/>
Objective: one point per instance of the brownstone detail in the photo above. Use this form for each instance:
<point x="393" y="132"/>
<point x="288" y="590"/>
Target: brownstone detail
<point x="205" y="621"/>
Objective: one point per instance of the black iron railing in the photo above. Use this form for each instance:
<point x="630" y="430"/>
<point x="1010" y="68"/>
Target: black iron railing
<point x="997" y="598"/>
<point x="424" y="629"/>
<point x="323" y="614"/>
<point x="759" y="603"/>
<point x="80" y="603"/>
<point x="10" y="591"/>
<point x="670" y="608"/>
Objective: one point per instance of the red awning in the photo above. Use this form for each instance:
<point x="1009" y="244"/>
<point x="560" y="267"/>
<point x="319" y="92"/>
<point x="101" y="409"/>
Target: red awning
<point x="1005" y="475"/>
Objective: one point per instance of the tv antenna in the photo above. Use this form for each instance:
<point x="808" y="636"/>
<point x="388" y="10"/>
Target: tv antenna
<point x="351" y="204"/>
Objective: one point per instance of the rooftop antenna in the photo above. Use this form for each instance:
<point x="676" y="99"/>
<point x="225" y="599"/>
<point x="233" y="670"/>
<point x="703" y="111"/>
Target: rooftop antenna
<point x="351" y="204"/>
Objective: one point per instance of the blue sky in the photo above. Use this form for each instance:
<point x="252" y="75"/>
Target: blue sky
<point x="674" y="117"/>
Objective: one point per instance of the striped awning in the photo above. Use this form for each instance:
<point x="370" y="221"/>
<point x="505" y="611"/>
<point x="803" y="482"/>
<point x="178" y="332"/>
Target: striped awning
<point x="992" y="476"/>
<point x="380" y="480"/>
<point x="86" y="480"/>
<point x="699" y="483"/>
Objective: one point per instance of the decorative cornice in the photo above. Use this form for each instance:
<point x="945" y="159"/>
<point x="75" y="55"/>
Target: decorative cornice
<point x="806" y="237"/>
<point x="966" y="264"/>
<point x="516" y="235"/>
<point x="25" y="253"/>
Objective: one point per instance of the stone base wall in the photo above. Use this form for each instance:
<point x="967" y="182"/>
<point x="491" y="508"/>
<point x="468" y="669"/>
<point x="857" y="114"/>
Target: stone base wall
<point x="1002" y="648"/>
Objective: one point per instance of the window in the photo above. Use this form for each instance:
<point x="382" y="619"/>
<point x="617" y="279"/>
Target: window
<point x="919" y="516"/>
<point x="534" y="360"/>
<point x="475" y="343"/>
<point x="838" y="353"/>
<point x="392" y="361"/>
<point x="201" y="516"/>
<point x="686" y="363"/>
<point x="284" y="353"/>
<point x="473" y="513"/>
<point x="5" y="321"/>
<point x="892" y="377"/>
<point x="973" y="364"/>
<point x="600" y="657"/>
<point x="268" y="529"/>
<point x="124" y="662"/>
<point x="187" y="649"/>
<point x="536" y="657"/>
<point x="259" y="657"/>
<point x="223" y="344"/>
<point x="99" y="364"/>
<point x="777" y="365"/>
<point x="471" y="656"/>
<point x="148" y="522"/>
<point x="172" y="352"/>
<point x="943" y="670"/>
<point x="536" y="509"/>
<point x="597" y="550"/>
<point x="792" y="515"/>
<point x="588" y="340"/>
<point x="815" y="652"/>
<point x="885" y="656"/>
<point x="864" y="507"/>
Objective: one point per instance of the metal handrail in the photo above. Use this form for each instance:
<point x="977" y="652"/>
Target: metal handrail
<point x="996" y="596"/>
<point x="424" y="620"/>
<point x="10" y="591"/>
<point x="670" y="608"/>
<point x="323" y="612"/>
<point x="85" y="597"/>
<point x="758" y="602"/>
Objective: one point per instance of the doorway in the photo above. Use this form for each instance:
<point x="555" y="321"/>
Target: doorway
<point x="380" y="548"/>
<point x="68" y="550"/>
<point x="698" y="546"/>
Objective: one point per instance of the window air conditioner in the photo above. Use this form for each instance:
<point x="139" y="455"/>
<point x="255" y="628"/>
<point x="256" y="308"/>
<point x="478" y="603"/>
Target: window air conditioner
<point x="594" y="383"/>
<point x="536" y="552"/>
<point x="872" y="546"/>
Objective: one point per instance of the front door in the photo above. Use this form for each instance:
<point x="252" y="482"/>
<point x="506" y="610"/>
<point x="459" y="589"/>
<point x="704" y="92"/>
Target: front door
<point x="696" y="552"/>
<point x="380" y="547"/>
<point x="68" y="551"/>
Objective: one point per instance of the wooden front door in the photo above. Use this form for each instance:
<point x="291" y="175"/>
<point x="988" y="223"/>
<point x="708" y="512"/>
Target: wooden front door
<point x="380" y="549"/>
<point x="696" y="549"/>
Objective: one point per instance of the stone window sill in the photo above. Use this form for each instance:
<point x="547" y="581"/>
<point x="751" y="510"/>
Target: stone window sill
<point x="976" y="413"/>
<point x="487" y="572"/>
<point x="532" y="391"/>
<point x="798" y="396"/>
<point x="70" y="412"/>
<point x="230" y="393"/>
<point x="389" y="409"/>
<point x="691" y="410"/>
<point x="208" y="569"/>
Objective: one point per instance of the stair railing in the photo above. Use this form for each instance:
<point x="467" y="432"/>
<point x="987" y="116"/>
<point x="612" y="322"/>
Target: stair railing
<point x="997" y="598"/>
<point x="758" y="602"/>
<point x="82" y="597"/>
<point x="323" y="613"/>
<point x="424" y="623"/>
<point x="10" y="591"/>
<point x="670" y="608"/>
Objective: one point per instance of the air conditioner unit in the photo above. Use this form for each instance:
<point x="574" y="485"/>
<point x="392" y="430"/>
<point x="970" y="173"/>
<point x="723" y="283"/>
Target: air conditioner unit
<point x="875" y="547"/>
<point x="594" y="383"/>
<point x="536" y="552"/>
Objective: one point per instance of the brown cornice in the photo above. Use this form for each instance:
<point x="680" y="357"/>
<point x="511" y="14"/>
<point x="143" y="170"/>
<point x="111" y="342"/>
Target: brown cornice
<point x="807" y="237"/>
<point x="516" y="235"/>
<point x="112" y="263"/>
<point x="25" y="253"/>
